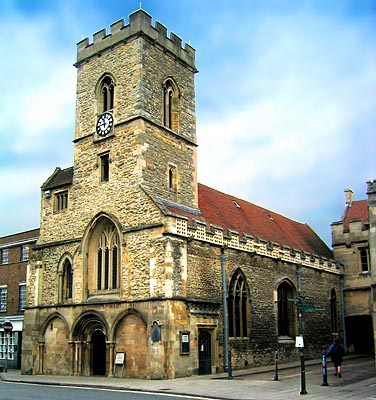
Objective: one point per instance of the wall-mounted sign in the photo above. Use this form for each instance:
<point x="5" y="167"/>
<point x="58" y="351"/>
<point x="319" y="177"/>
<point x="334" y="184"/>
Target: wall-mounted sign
<point x="119" y="358"/>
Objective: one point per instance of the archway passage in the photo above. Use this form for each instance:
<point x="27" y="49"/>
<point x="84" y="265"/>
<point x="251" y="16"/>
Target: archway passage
<point x="98" y="353"/>
<point x="359" y="333"/>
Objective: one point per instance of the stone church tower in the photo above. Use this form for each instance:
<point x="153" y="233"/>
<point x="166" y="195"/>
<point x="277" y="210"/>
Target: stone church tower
<point x="102" y="225"/>
<point x="126" y="277"/>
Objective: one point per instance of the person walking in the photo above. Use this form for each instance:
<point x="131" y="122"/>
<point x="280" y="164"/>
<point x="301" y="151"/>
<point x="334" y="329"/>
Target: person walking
<point x="336" y="352"/>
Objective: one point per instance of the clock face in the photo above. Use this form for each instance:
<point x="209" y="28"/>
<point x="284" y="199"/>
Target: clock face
<point x="104" y="124"/>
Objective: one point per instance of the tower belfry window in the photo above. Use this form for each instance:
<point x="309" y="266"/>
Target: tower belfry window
<point x="106" y="95"/>
<point x="170" y="105"/>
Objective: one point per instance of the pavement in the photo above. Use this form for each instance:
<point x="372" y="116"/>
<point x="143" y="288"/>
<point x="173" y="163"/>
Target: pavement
<point x="249" y="384"/>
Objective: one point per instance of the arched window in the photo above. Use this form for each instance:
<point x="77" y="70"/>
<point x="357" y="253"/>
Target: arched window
<point x="172" y="177"/>
<point x="333" y="311"/>
<point x="170" y="105"/>
<point x="238" y="305"/>
<point x="66" y="281"/>
<point x="105" y="95"/>
<point x="108" y="259"/>
<point x="286" y="310"/>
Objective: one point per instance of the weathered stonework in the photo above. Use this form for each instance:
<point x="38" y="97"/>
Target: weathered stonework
<point x="135" y="264"/>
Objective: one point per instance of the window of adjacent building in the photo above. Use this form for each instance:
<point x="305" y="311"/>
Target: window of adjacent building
<point x="238" y="306"/>
<point x="22" y="296"/>
<point x="5" y="256"/>
<point x="105" y="94"/>
<point x="61" y="201"/>
<point x="333" y="311"/>
<point x="170" y="104"/>
<point x="172" y="177"/>
<point x="3" y="298"/>
<point x="286" y="312"/>
<point x="364" y="260"/>
<point x="7" y="345"/>
<point x="25" y="252"/>
<point x="108" y="259"/>
<point x="105" y="167"/>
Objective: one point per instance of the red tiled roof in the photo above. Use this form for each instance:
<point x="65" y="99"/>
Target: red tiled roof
<point x="357" y="210"/>
<point x="229" y="212"/>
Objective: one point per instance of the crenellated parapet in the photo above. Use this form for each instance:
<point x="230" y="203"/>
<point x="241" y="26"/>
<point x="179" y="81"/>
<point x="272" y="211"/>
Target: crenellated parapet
<point x="198" y="230"/>
<point x="140" y="23"/>
<point x="356" y="232"/>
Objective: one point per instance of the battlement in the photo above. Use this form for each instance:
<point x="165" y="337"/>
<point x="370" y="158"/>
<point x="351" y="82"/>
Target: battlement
<point x="140" y="23"/>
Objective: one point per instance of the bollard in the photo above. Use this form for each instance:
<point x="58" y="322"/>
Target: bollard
<point x="324" y="370"/>
<point x="276" y="367"/>
<point x="229" y="365"/>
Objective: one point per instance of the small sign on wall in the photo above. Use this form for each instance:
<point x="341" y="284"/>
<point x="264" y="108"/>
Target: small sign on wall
<point x="120" y="359"/>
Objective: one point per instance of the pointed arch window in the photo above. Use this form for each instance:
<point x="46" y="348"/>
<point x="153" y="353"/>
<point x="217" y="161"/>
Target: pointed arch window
<point x="238" y="306"/>
<point x="170" y="105"/>
<point x="66" y="281"/>
<point x="105" y="95"/>
<point x="108" y="259"/>
<point x="333" y="311"/>
<point x="286" y="311"/>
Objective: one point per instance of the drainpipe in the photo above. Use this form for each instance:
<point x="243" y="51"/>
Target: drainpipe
<point x="225" y="321"/>
<point x="342" y="304"/>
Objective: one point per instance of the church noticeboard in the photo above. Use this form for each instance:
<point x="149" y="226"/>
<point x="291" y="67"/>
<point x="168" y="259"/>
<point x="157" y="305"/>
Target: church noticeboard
<point x="120" y="358"/>
<point x="184" y="342"/>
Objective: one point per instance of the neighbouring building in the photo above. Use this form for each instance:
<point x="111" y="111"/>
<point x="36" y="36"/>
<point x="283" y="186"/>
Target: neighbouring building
<point x="126" y="279"/>
<point x="15" y="251"/>
<point x="354" y="245"/>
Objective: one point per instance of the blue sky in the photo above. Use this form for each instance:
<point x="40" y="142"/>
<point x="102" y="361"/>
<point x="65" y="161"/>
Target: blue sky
<point x="285" y="98"/>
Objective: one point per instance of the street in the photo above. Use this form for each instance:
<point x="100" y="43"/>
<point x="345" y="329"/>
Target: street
<point x="353" y="370"/>
<point x="23" y="391"/>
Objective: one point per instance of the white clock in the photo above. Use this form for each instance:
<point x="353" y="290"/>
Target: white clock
<point x="104" y="124"/>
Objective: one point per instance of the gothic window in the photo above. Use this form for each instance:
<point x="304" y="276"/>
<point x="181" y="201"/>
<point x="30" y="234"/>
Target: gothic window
<point x="105" y="95"/>
<point x="238" y="306"/>
<point x="105" y="167"/>
<point x="286" y="314"/>
<point x="333" y="311"/>
<point x="65" y="281"/>
<point x="172" y="178"/>
<point x="364" y="259"/>
<point x="108" y="259"/>
<point x="170" y="105"/>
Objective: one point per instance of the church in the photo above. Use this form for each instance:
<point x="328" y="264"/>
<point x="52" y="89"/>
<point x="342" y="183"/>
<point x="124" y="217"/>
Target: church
<point x="126" y="276"/>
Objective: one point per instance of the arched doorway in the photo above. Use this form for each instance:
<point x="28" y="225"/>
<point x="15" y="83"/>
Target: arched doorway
<point x="204" y="352"/>
<point x="98" y="353"/>
<point x="90" y="350"/>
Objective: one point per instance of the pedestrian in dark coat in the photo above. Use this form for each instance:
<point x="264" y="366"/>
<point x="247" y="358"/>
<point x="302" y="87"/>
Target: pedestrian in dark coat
<point x="336" y="353"/>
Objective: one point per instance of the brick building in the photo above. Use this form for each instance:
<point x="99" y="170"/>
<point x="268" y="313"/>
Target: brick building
<point x="128" y="262"/>
<point x="15" y="251"/>
<point x="354" y="245"/>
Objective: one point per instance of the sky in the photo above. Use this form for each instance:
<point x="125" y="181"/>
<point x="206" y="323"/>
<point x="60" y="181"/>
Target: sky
<point x="285" y="98"/>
